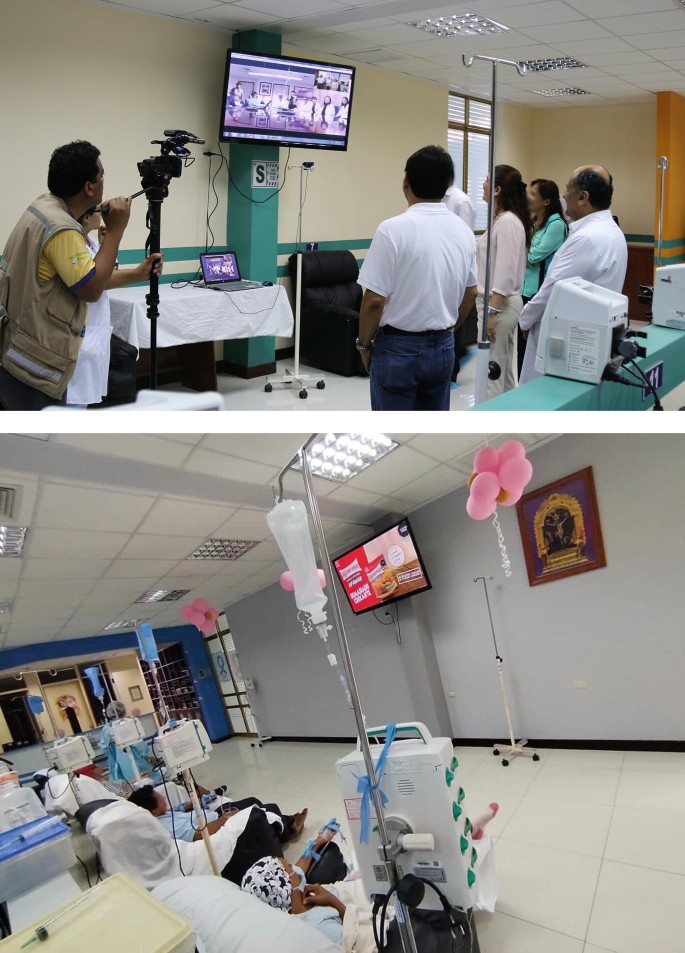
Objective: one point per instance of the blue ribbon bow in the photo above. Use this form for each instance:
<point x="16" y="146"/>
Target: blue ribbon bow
<point x="366" y="788"/>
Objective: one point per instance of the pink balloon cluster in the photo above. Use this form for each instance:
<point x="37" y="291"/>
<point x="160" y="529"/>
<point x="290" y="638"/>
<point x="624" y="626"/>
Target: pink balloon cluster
<point x="201" y="615"/>
<point x="499" y="476"/>
<point x="286" y="581"/>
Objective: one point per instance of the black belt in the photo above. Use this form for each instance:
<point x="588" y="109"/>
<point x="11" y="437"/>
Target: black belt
<point x="389" y="329"/>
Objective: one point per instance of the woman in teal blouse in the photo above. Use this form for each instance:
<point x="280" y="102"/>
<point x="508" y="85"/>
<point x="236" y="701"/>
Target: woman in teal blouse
<point x="549" y="234"/>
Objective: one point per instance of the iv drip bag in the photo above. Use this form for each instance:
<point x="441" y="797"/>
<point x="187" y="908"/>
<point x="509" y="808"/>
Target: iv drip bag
<point x="290" y="528"/>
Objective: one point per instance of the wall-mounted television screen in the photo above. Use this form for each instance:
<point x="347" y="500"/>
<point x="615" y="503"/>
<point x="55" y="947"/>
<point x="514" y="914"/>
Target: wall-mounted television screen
<point x="385" y="568"/>
<point x="278" y="100"/>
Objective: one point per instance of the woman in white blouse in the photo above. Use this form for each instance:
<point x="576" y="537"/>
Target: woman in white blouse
<point x="511" y="232"/>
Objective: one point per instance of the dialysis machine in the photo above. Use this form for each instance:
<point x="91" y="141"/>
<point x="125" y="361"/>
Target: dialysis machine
<point x="70" y="754"/>
<point x="580" y="329"/>
<point x="424" y="815"/>
<point x="668" y="301"/>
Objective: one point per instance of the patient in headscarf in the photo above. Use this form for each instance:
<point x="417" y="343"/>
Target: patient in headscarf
<point x="283" y="885"/>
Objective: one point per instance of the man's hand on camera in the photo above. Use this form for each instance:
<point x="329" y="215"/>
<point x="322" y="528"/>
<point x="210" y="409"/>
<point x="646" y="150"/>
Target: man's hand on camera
<point x="119" y="212"/>
<point x="153" y="264"/>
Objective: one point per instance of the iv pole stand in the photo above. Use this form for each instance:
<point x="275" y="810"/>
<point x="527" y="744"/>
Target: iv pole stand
<point x="294" y="376"/>
<point x="662" y="164"/>
<point x="516" y="747"/>
<point x="483" y="357"/>
<point x="300" y="458"/>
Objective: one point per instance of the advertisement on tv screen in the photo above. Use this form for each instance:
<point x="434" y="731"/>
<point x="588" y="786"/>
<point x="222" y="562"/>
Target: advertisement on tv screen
<point x="384" y="569"/>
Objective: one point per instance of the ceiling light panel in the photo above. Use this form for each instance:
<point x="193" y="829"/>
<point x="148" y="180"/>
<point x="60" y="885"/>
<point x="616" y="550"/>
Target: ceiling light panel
<point x="127" y="624"/>
<point x="568" y="91"/>
<point x="460" y="24"/>
<point x="223" y="549"/>
<point x="560" y="62"/>
<point x="163" y="595"/>
<point x="341" y="456"/>
<point x="12" y="540"/>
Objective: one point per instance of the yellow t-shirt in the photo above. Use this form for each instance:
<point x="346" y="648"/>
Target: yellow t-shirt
<point x="67" y="255"/>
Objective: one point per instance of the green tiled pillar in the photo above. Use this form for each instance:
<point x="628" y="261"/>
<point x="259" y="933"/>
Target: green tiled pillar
<point x="252" y="230"/>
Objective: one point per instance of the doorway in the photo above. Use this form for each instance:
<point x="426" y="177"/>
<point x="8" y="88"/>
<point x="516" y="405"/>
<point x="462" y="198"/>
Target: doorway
<point x="21" y="724"/>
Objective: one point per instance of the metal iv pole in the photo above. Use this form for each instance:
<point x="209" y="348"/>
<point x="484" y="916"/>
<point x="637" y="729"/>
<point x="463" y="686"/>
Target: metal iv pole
<point x="300" y="458"/>
<point x="662" y="165"/>
<point x="483" y="363"/>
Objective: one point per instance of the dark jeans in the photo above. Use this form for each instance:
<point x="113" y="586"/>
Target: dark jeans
<point x="14" y="395"/>
<point x="522" y="340"/>
<point x="412" y="372"/>
<point x="287" y="819"/>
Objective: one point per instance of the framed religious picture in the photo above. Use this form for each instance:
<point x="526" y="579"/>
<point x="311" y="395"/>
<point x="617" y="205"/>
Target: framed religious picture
<point x="560" y="529"/>
<point x="265" y="89"/>
<point x="136" y="693"/>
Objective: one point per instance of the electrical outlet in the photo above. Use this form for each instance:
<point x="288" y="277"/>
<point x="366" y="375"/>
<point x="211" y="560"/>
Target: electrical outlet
<point x="580" y="684"/>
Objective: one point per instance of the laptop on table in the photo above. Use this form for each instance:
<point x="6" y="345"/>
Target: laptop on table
<point x="221" y="272"/>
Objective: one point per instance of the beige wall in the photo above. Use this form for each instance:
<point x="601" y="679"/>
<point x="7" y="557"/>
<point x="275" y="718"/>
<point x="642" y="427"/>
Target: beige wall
<point x="5" y="734"/>
<point x="125" y="672"/>
<point x="550" y="143"/>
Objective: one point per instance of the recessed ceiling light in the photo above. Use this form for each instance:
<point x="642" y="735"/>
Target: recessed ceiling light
<point x="223" y="549"/>
<point x="12" y="540"/>
<point x="127" y="624"/>
<point x="341" y="456"/>
<point x="568" y="91"/>
<point x="163" y="595"/>
<point x="559" y="62"/>
<point x="460" y="24"/>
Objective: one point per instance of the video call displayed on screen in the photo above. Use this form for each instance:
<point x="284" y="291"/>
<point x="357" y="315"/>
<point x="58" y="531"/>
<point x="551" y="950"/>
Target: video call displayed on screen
<point x="285" y="101"/>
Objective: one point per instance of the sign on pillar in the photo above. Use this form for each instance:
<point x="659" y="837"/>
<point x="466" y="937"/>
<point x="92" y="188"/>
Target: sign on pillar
<point x="265" y="175"/>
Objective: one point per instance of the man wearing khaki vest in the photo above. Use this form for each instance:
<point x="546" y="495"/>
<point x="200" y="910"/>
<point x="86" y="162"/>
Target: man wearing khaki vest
<point x="47" y="277"/>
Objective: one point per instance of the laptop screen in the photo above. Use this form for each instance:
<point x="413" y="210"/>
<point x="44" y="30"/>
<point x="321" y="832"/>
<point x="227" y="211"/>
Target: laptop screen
<point x="220" y="267"/>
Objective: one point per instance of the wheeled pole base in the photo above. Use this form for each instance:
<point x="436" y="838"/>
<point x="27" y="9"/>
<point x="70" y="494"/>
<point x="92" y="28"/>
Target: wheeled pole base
<point x="513" y="751"/>
<point x="289" y="378"/>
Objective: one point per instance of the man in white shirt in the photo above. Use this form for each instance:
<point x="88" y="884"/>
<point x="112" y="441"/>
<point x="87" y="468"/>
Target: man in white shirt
<point x="420" y="282"/>
<point x="595" y="250"/>
<point x="459" y="203"/>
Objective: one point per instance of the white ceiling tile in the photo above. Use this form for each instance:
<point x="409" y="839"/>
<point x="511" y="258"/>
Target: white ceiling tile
<point x="10" y="568"/>
<point x="350" y="494"/>
<point x="617" y="8"/>
<point x="395" y="470"/>
<point x="49" y="588"/>
<point x="275" y="451"/>
<point x="135" y="568"/>
<point x="644" y="23"/>
<point x="66" y="568"/>
<point x="57" y="543"/>
<point x="577" y="30"/>
<point x="438" y="482"/>
<point x="190" y="438"/>
<point x="446" y="447"/>
<point x="62" y="506"/>
<point x="230" y="17"/>
<point x="143" y="546"/>
<point x="188" y="568"/>
<point x="231" y="468"/>
<point x="246" y="523"/>
<point x="133" y="446"/>
<point x="116" y="589"/>
<point x="656" y="41"/>
<point x="169" y="7"/>
<point x="295" y="8"/>
<point x="180" y="517"/>
<point x="607" y="45"/>
<point x="547" y="11"/>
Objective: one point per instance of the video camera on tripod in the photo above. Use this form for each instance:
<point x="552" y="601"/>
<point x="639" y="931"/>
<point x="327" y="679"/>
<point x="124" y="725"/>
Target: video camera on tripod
<point x="159" y="170"/>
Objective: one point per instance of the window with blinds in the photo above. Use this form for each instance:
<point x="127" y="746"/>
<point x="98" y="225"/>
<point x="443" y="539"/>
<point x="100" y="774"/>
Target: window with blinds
<point x="468" y="142"/>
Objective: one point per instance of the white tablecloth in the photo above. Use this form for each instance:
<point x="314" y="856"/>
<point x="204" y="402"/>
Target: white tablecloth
<point x="188" y="315"/>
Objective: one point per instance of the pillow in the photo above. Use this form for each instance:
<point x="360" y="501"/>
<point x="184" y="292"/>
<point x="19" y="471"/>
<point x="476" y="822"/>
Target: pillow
<point x="227" y="920"/>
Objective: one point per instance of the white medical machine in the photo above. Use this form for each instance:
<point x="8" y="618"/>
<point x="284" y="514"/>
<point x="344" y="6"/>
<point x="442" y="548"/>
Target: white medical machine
<point x="182" y="745"/>
<point x="668" y="302"/>
<point x="70" y="754"/>
<point x="579" y="330"/>
<point x="423" y="812"/>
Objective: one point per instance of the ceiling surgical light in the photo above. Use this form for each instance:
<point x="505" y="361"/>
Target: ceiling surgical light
<point x="340" y="456"/>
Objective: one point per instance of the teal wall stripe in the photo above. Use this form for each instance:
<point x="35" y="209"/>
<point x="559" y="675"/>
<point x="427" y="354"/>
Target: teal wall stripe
<point x="287" y="248"/>
<point x="134" y="256"/>
<point x="673" y="243"/>
<point x="642" y="239"/>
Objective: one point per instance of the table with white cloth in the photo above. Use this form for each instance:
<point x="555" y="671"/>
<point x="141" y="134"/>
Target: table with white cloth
<point x="191" y="318"/>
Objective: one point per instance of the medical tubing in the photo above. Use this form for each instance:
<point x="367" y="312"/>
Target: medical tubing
<point x="290" y="528"/>
<point x="367" y="788"/>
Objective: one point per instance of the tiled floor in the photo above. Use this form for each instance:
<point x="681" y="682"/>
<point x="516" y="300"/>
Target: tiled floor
<point x="590" y="844"/>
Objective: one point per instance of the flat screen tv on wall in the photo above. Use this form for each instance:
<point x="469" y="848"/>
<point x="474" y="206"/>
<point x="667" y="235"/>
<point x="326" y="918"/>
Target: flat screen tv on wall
<point x="278" y="100"/>
<point x="385" y="568"/>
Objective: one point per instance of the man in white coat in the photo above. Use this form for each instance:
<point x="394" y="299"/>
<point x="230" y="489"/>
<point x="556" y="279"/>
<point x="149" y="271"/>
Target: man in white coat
<point x="595" y="250"/>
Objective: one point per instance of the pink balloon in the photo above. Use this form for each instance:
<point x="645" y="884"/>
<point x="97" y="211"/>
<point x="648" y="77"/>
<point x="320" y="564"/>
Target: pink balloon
<point x="511" y="450"/>
<point x="207" y="627"/>
<point x="201" y="605"/>
<point x="197" y="619"/>
<point x="486" y="460"/>
<point x="322" y="578"/>
<point x="185" y="612"/>
<point x="514" y="474"/>
<point x="513" y="498"/>
<point x="485" y="488"/>
<point x="480" y="510"/>
<point x="135" y="712"/>
<point x="286" y="581"/>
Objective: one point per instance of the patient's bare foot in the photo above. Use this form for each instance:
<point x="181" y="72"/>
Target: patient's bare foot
<point x="299" y="821"/>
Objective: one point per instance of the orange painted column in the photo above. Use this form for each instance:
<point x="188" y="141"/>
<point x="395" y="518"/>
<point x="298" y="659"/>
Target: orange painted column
<point x="670" y="142"/>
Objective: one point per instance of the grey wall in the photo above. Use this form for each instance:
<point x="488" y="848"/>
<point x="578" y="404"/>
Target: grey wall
<point x="620" y="628"/>
<point x="298" y="693"/>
